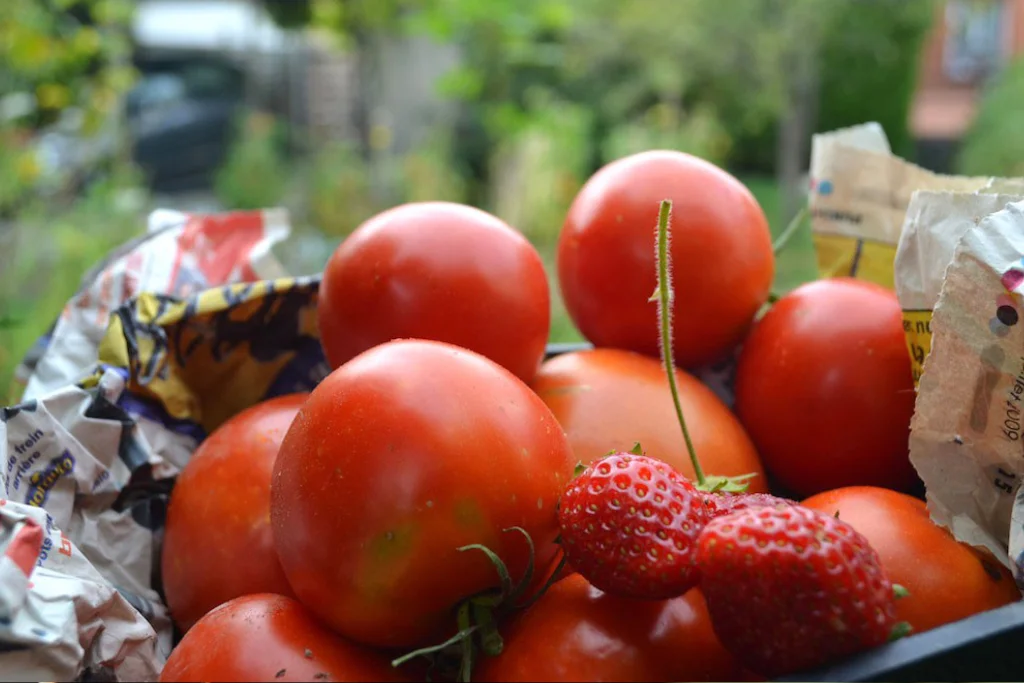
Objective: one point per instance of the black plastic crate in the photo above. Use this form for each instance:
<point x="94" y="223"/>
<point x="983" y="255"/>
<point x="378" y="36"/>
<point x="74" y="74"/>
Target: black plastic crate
<point x="979" y="648"/>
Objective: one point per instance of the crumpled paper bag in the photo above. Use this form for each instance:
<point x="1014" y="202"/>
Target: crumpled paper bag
<point x="966" y="437"/>
<point x="934" y="224"/>
<point x="169" y="337"/>
<point x="858" y="199"/>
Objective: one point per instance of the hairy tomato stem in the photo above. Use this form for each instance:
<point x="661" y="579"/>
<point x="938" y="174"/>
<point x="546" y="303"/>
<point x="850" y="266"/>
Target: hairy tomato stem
<point x="664" y="295"/>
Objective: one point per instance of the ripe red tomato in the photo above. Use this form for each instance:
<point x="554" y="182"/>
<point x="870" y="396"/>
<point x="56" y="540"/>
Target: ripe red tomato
<point x="577" y="633"/>
<point x="398" y="458"/>
<point x="721" y="253"/>
<point x="607" y="399"/>
<point x="218" y="544"/>
<point x="265" y="637"/>
<point x="946" y="579"/>
<point x="824" y="388"/>
<point x="441" y="271"/>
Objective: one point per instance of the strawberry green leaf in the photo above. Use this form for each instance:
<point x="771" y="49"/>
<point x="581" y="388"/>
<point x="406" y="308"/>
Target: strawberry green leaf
<point x="636" y="449"/>
<point x="898" y="591"/>
<point x="714" y="484"/>
<point x="900" y="630"/>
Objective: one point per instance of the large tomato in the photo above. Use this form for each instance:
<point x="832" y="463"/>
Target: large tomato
<point x="946" y="579"/>
<point x="442" y="271"/>
<point x="607" y="399"/>
<point x="217" y="540"/>
<point x="265" y="637"/>
<point x="824" y="388"/>
<point x="721" y="254"/>
<point x="399" y="457"/>
<point x="577" y="633"/>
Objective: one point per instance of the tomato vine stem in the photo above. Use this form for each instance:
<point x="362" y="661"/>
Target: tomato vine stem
<point x="478" y="616"/>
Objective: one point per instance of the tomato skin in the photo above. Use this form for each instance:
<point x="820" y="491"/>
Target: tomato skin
<point x="824" y="388"/>
<point x="721" y="254"/>
<point x="608" y="399"/>
<point x="218" y="544"/>
<point x="399" y="457"/>
<point x="947" y="580"/>
<point x="266" y="637"/>
<point x="577" y="633"/>
<point x="442" y="271"/>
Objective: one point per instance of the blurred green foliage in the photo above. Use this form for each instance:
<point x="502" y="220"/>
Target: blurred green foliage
<point x="699" y="75"/>
<point x="994" y="145"/>
<point x="548" y="91"/>
<point x="870" y="63"/>
<point x="62" y="244"/>
<point x="57" y="56"/>
<point x="255" y="174"/>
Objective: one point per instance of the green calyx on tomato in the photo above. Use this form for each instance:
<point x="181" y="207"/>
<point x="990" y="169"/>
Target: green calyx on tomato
<point x="663" y="296"/>
<point x="477" y="617"/>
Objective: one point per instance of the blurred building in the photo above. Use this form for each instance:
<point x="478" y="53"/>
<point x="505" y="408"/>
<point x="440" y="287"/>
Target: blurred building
<point x="970" y="42"/>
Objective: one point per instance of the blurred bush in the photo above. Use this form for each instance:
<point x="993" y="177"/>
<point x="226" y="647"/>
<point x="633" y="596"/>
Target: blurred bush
<point x="255" y="174"/>
<point x="536" y="171"/>
<point x="431" y="172"/>
<point x="338" y="193"/>
<point x="994" y="145"/>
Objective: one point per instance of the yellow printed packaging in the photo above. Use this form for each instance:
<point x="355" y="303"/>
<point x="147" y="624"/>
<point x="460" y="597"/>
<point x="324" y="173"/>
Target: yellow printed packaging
<point x="199" y="360"/>
<point x="934" y="225"/>
<point x="859" y="193"/>
<point x="864" y="259"/>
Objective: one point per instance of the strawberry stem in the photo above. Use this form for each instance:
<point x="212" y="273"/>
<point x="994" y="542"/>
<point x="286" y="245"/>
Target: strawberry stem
<point x="664" y="295"/>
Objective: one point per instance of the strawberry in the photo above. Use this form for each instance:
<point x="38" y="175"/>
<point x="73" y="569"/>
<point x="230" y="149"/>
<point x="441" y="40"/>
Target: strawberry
<point x="789" y="588"/>
<point x="724" y="503"/>
<point x="629" y="525"/>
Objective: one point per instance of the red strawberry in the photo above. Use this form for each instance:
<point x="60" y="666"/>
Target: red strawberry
<point x="724" y="503"/>
<point x="789" y="588"/>
<point x="629" y="525"/>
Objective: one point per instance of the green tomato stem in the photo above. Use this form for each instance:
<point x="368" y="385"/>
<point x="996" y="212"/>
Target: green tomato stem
<point x="664" y="296"/>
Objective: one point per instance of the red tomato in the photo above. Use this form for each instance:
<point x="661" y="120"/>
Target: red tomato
<point x="824" y="388"/>
<point x="218" y="544"/>
<point x="266" y="637"/>
<point x="399" y="457"/>
<point x="721" y="253"/>
<point x="607" y="399"/>
<point x="438" y="271"/>
<point x="577" y="633"/>
<point x="946" y="579"/>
